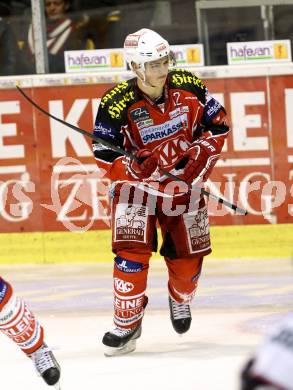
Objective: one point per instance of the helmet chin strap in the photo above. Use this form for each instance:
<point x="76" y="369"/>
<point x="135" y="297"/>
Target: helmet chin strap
<point x="147" y="84"/>
<point x="143" y="79"/>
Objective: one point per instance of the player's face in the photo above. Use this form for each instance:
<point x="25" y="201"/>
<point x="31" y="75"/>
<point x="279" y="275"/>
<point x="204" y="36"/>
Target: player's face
<point x="156" y="71"/>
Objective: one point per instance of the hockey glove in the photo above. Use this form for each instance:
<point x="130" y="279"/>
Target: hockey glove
<point x="198" y="161"/>
<point x="145" y="164"/>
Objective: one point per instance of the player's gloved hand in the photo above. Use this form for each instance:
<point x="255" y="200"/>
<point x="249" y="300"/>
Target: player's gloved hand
<point x="145" y="164"/>
<point x="198" y="161"/>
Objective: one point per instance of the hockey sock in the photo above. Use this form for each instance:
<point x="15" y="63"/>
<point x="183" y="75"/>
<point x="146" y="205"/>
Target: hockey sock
<point x="17" y="321"/>
<point x="129" y="292"/>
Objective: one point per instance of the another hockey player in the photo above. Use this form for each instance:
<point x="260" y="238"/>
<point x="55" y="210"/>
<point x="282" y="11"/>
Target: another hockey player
<point x="272" y="366"/>
<point x="21" y="326"/>
<point x="168" y="120"/>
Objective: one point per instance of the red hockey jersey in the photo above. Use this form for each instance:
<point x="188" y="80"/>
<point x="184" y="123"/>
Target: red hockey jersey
<point x="131" y="120"/>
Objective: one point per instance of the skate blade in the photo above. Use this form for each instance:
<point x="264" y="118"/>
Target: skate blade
<point x="129" y="347"/>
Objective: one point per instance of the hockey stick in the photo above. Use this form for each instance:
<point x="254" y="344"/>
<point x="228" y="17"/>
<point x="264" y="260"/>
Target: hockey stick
<point x="130" y="155"/>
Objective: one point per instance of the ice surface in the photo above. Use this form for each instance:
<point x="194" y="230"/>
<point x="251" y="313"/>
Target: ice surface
<point x="236" y="303"/>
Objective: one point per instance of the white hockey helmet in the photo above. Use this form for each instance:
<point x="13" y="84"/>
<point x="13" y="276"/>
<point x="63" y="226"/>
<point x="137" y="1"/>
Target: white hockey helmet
<point x="143" y="46"/>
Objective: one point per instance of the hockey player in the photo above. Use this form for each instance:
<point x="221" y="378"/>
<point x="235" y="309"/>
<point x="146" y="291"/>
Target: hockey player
<point x="272" y="366"/>
<point x="19" y="324"/>
<point x="168" y="120"/>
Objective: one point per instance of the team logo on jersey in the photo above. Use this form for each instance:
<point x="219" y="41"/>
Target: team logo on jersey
<point x="178" y="111"/>
<point x="113" y="92"/>
<point x="174" y="113"/>
<point x="123" y="286"/>
<point x="186" y="78"/>
<point x="117" y="107"/>
<point x="101" y="130"/>
<point x="140" y="114"/>
<point x="211" y="109"/>
<point x="130" y="223"/>
<point x="171" y="149"/>
<point x="143" y="124"/>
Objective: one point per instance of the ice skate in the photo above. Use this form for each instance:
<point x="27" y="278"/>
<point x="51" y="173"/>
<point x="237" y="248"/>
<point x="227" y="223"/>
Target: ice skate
<point x="121" y="341"/>
<point x="180" y="316"/>
<point x="47" y="365"/>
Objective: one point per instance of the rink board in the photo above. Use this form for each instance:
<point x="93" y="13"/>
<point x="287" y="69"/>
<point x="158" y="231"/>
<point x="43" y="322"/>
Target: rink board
<point x="49" y="185"/>
<point x="48" y="176"/>
<point x="229" y="242"/>
<point x="235" y="304"/>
